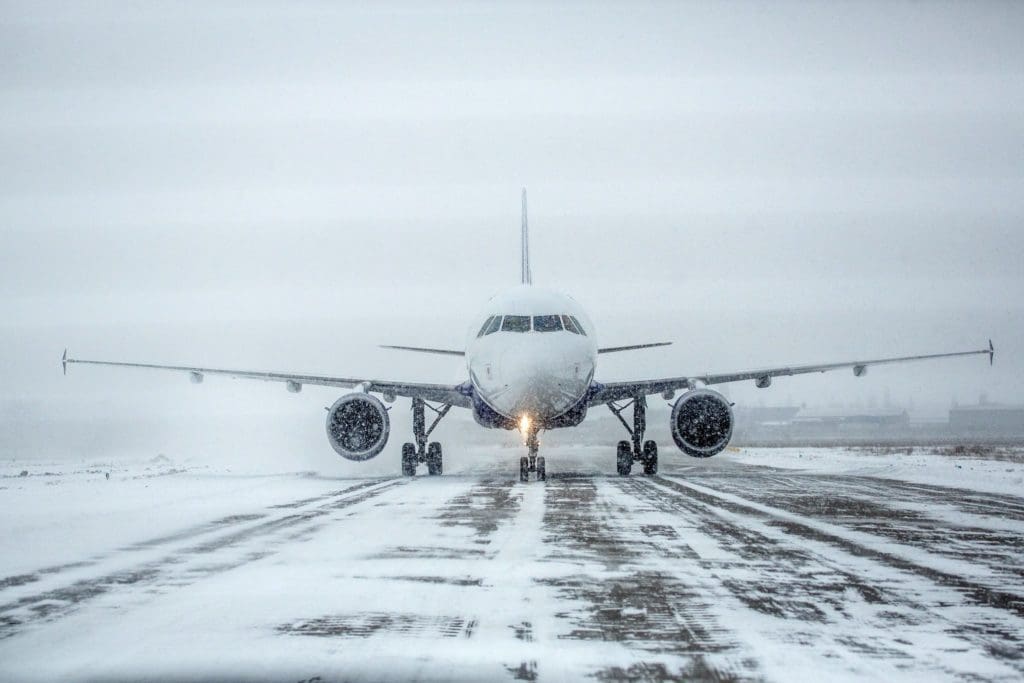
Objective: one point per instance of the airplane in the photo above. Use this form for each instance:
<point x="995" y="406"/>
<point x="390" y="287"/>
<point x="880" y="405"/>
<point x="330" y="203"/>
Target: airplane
<point x="531" y="364"/>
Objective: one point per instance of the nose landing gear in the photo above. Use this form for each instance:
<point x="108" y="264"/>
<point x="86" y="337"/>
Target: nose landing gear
<point x="532" y="462"/>
<point x="415" y="453"/>
<point x="645" y="452"/>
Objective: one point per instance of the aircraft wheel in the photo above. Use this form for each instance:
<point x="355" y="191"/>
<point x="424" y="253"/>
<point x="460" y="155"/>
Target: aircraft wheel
<point x="524" y="469"/>
<point x="408" y="460"/>
<point x="624" y="458"/>
<point x="542" y="474"/>
<point x="650" y="458"/>
<point x="434" y="460"/>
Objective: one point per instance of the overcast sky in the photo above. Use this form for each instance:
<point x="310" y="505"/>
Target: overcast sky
<point x="283" y="186"/>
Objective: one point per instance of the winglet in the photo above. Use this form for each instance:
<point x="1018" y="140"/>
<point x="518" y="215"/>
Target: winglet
<point x="64" y="361"/>
<point x="991" y="352"/>
<point x="527" y="276"/>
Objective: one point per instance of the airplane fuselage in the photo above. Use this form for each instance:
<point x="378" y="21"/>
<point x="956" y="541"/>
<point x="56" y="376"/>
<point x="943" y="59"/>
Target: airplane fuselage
<point x="531" y="356"/>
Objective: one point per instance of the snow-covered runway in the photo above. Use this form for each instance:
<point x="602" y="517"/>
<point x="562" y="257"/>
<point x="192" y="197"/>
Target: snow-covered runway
<point x="712" y="570"/>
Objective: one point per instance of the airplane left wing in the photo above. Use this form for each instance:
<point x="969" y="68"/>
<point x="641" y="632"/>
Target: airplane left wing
<point x="632" y="347"/>
<point x="618" y="391"/>
<point x="440" y="393"/>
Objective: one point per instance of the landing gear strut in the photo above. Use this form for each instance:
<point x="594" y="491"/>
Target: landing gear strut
<point x="415" y="453"/>
<point x="532" y="462"/>
<point x="645" y="452"/>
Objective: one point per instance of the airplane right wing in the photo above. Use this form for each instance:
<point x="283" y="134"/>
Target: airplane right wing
<point x="440" y="393"/>
<point x="619" y="391"/>
<point x="423" y="349"/>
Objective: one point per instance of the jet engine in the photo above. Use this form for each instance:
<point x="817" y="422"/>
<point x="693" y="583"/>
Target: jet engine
<point x="702" y="423"/>
<point x="358" y="426"/>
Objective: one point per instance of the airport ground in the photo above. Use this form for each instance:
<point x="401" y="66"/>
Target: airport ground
<point x="759" y="564"/>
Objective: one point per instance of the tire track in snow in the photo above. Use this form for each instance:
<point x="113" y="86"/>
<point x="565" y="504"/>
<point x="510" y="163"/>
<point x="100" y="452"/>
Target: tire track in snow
<point x="947" y="522"/>
<point x="461" y="561"/>
<point x="189" y="533"/>
<point x="902" y="607"/>
<point x="857" y="543"/>
<point x="635" y="600"/>
<point x="183" y="566"/>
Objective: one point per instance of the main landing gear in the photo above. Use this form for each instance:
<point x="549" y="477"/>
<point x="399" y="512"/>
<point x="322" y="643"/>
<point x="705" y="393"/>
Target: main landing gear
<point x="645" y="452"/>
<point x="415" y="453"/>
<point x="532" y="462"/>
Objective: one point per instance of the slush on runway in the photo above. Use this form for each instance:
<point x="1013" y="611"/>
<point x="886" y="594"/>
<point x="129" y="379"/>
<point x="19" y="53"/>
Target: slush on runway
<point x="718" y="570"/>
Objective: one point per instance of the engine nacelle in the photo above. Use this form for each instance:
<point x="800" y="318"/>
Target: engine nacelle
<point x="358" y="426"/>
<point x="702" y="423"/>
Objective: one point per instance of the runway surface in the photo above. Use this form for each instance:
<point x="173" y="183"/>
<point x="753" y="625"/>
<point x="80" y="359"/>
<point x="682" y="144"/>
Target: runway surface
<point x="717" y="570"/>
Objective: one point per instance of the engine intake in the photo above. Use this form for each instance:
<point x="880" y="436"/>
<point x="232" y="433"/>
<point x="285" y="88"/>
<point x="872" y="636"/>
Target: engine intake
<point x="358" y="426"/>
<point x="702" y="423"/>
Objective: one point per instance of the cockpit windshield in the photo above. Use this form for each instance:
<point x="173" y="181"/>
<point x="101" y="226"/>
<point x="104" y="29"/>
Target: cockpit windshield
<point x="571" y="324"/>
<point x="521" y="323"/>
<point x="483" y="328"/>
<point x="547" y="323"/>
<point x="516" y="323"/>
<point x="494" y="324"/>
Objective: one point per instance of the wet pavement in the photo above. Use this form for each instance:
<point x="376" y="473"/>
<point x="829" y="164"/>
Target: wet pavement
<point x="733" y="572"/>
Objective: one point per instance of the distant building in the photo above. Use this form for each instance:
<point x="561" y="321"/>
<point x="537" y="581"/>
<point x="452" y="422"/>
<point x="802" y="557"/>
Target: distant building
<point x="849" y="424"/>
<point x="873" y="418"/>
<point x="765" y="415"/>
<point x="987" y="418"/>
<point x="762" y="422"/>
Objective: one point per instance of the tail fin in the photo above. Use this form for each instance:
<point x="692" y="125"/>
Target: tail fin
<point x="526" y="275"/>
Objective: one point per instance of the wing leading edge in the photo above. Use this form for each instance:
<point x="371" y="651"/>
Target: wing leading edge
<point x="423" y="349"/>
<point x="632" y="347"/>
<point x="617" y="391"/>
<point x="441" y="393"/>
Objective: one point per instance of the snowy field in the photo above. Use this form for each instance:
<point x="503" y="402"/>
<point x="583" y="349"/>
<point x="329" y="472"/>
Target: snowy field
<point x="767" y="564"/>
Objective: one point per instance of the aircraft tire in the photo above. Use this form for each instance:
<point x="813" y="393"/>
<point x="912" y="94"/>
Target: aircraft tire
<point x="623" y="458"/>
<point x="524" y="469"/>
<point x="542" y="474"/>
<point x="650" y="458"/>
<point x="434" y="459"/>
<point x="408" y="460"/>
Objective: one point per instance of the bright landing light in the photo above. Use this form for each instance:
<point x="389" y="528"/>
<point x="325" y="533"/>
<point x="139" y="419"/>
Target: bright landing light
<point x="524" y="425"/>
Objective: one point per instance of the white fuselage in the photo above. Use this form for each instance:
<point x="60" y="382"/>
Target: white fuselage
<point x="538" y="360"/>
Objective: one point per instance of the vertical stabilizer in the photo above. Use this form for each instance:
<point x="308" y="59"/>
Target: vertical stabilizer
<point x="527" y="277"/>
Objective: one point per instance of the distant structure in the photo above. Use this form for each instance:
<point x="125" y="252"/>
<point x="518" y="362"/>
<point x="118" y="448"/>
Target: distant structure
<point x="765" y="415"/>
<point x="984" y="422"/>
<point x="872" y="418"/>
<point x="871" y="423"/>
<point x="987" y="419"/>
<point x="756" y="422"/>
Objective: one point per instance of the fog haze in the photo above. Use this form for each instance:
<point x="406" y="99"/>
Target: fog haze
<point x="284" y="187"/>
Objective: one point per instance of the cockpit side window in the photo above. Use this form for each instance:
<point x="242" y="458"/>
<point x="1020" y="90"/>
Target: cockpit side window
<point x="516" y="323"/>
<point x="483" y="328"/>
<point x="578" y="325"/>
<point x="495" y="323"/>
<point x="570" y="324"/>
<point x="547" y="323"/>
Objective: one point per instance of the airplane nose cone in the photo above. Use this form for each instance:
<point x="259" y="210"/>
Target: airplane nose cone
<point x="542" y="385"/>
